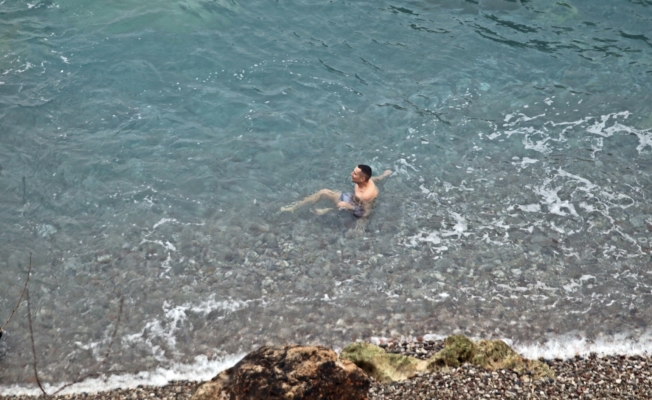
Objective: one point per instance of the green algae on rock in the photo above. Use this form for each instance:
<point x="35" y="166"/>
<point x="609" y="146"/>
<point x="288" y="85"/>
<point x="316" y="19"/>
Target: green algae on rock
<point x="458" y="350"/>
<point x="496" y="354"/>
<point x="488" y="354"/>
<point x="382" y="366"/>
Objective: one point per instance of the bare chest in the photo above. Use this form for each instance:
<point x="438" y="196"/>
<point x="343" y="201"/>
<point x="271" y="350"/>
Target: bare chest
<point x="366" y="194"/>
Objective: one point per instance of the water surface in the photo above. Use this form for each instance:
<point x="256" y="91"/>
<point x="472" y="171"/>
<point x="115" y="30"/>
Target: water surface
<point x="147" y="147"/>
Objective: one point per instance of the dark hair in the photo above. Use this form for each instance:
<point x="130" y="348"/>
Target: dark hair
<point x="366" y="170"/>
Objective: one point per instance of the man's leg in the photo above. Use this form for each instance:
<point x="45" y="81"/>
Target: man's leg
<point x="331" y="195"/>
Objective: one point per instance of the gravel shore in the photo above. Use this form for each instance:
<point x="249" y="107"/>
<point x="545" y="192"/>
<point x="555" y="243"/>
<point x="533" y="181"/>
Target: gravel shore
<point x="176" y="390"/>
<point x="592" y="377"/>
<point x="612" y="377"/>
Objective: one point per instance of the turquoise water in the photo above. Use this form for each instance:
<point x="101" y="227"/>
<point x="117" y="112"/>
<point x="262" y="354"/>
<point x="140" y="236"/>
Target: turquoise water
<point x="147" y="147"/>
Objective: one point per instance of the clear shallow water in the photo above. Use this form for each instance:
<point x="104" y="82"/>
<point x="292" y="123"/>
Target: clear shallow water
<point x="158" y="141"/>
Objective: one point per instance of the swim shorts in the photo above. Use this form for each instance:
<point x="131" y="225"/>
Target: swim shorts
<point x="358" y="211"/>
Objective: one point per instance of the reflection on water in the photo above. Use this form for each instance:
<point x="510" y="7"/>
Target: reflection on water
<point x="147" y="148"/>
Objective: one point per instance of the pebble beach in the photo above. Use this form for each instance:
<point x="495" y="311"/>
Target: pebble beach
<point x="592" y="377"/>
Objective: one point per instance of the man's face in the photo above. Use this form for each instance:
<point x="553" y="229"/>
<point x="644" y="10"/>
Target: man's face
<point x="357" y="176"/>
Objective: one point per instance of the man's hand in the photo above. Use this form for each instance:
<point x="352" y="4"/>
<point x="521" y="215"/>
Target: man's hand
<point x="382" y="176"/>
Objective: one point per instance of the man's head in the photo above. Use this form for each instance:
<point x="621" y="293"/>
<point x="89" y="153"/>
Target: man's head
<point x="361" y="173"/>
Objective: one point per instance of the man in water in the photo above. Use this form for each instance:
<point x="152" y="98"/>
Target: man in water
<point x="359" y="203"/>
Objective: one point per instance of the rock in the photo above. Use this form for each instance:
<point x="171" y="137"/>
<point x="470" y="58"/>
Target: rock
<point x="496" y="354"/>
<point x="269" y="239"/>
<point x="287" y="372"/>
<point x="104" y="258"/>
<point x="259" y="227"/>
<point x="637" y="221"/>
<point x="457" y="350"/>
<point x="382" y="366"/>
<point x="489" y="354"/>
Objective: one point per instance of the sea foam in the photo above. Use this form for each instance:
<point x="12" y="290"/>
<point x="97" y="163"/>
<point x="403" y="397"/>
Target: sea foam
<point x="202" y="369"/>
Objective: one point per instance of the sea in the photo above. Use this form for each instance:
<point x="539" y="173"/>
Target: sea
<point x="147" y="147"/>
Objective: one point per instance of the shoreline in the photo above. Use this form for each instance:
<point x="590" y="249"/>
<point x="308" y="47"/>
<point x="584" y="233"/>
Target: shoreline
<point x="592" y="376"/>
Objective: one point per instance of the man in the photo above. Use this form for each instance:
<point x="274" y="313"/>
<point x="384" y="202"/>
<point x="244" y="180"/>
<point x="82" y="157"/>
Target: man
<point x="359" y="203"/>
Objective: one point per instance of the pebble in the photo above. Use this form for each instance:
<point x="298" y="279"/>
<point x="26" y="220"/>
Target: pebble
<point x="592" y="377"/>
<point x="104" y="258"/>
<point x="177" y="390"/>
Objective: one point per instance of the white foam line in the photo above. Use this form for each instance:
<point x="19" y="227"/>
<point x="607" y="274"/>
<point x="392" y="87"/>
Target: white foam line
<point x="401" y="164"/>
<point x="167" y="245"/>
<point x="599" y="128"/>
<point x="541" y="146"/>
<point x="164" y="330"/>
<point x="525" y="162"/>
<point x="523" y="118"/>
<point x="563" y="346"/>
<point x="427" y="192"/>
<point x="202" y="369"/>
<point x="645" y="139"/>
<point x="459" y="228"/>
<point x="571" y="123"/>
<point x="552" y="200"/>
<point x="568" y="347"/>
<point x="462" y="187"/>
<point x="163" y="221"/>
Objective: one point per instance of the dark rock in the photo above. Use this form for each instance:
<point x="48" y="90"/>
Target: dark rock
<point x="288" y="372"/>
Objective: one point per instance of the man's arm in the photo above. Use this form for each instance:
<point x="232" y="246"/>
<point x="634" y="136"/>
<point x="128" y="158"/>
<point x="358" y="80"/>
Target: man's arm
<point x="381" y="176"/>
